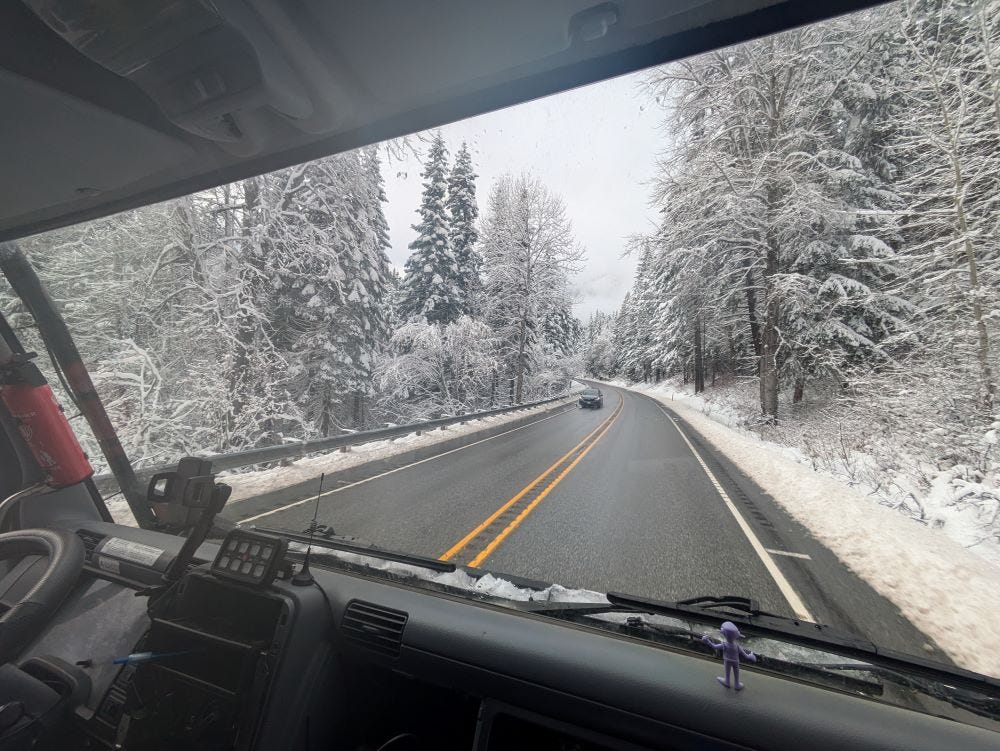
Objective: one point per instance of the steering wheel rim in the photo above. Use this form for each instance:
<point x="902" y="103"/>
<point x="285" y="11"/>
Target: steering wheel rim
<point x="66" y="554"/>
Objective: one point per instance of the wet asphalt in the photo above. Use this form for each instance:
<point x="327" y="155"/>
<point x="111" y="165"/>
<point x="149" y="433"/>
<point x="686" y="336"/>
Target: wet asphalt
<point x="637" y="514"/>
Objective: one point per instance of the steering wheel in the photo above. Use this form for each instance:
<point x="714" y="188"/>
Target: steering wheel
<point x="65" y="554"/>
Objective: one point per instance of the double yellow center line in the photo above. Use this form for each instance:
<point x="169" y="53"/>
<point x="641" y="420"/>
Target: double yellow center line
<point x="477" y="546"/>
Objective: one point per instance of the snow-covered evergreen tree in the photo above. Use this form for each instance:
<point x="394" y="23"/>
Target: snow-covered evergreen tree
<point x="562" y="331"/>
<point x="776" y="237"/>
<point x="596" y="348"/>
<point x="463" y="212"/>
<point x="431" y="281"/>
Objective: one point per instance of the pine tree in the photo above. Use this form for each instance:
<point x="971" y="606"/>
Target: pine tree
<point x="562" y="331"/>
<point x="431" y="281"/>
<point x="597" y="350"/>
<point x="368" y="300"/>
<point x="463" y="235"/>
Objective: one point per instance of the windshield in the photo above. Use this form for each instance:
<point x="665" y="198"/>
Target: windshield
<point x="779" y="261"/>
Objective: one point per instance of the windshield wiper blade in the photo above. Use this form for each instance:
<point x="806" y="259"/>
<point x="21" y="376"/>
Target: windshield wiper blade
<point x="743" y="611"/>
<point x="732" y="602"/>
<point x="746" y="608"/>
<point x="346" y="545"/>
<point x="791" y="630"/>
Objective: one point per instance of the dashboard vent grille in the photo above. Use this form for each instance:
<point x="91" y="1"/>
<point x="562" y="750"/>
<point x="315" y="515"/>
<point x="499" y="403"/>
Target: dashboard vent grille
<point x="375" y="627"/>
<point x="90" y="541"/>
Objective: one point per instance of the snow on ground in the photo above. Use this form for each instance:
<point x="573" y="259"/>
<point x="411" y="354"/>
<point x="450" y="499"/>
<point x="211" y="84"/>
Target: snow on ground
<point x="249" y="484"/>
<point x="930" y="473"/>
<point x="947" y="590"/>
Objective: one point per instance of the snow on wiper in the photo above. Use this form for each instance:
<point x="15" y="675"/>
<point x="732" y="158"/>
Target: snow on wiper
<point x="408" y="566"/>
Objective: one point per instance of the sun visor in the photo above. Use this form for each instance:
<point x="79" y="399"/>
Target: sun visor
<point x="212" y="69"/>
<point x="59" y="149"/>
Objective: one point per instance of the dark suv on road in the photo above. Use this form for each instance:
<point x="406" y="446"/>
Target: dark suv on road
<point x="591" y="398"/>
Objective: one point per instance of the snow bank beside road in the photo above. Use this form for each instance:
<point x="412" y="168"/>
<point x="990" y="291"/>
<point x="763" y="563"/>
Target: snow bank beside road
<point x="948" y="592"/>
<point x="249" y="484"/>
<point x="943" y="477"/>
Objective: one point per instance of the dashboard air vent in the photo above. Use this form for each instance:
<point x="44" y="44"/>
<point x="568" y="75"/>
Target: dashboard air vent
<point x="90" y="541"/>
<point x="375" y="627"/>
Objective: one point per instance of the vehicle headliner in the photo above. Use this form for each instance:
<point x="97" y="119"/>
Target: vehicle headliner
<point x="80" y="142"/>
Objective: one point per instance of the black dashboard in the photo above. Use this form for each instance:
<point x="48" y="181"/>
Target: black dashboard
<point x="360" y="662"/>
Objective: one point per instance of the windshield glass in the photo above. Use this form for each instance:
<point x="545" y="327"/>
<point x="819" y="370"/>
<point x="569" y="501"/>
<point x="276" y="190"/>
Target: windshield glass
<point x="779" y="261"/>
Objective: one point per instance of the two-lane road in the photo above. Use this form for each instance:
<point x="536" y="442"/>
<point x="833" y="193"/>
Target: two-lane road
<point x="626" y="498"/>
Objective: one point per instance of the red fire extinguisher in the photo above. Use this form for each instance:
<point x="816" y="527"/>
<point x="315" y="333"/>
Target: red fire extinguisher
<point x="42" y="422"/>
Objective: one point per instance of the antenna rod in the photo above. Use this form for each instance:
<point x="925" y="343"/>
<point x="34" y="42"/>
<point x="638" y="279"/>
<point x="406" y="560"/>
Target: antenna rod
<point x="304" y="576"/>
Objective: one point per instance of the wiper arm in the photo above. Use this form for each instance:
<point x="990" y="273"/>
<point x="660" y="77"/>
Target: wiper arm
<point x="341" y="543"/>
<point x="747" y="611"/>
<point x="732" y="602"/>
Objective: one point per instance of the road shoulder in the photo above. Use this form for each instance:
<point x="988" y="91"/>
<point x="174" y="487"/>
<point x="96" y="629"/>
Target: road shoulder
<point x="946" y="591"/>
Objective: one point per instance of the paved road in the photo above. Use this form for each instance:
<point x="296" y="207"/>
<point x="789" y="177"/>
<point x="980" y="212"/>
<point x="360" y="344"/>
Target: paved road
<point x="626" y="498"/>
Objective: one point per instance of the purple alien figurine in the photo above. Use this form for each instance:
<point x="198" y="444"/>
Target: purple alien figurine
<point x="731" y="653"/>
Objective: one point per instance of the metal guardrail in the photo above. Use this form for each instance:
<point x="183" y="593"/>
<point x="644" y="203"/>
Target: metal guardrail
<point x="107" y="483"/>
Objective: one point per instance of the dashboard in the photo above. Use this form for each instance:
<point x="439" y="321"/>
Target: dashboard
<point x="345" y="660"/>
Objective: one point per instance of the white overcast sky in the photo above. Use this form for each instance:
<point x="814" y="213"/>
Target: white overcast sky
<point x="596" y="147"/>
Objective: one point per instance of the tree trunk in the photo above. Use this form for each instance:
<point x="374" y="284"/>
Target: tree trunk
<point x="751" y="293"/>
<point x="358" y="409"/>
<point x="521" y="343"/>
<point x="986" y="371"/>
<point x="699" y="358"/>
<point x="769" y="335"/>
<point x="239" y="377"/>
<point x="797" y="394"/>
<point x="768" y="360"/>
<point x="325" y="421"/>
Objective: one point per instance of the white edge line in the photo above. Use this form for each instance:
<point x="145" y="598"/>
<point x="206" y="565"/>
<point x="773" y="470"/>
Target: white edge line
<point x="391" y="471"/>
<point x="789" y="553"/>
<point x="791" y="596"/>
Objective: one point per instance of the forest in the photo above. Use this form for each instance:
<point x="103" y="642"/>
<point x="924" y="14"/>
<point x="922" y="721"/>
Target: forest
<point x="826" y="264"/>
<point x="824" y="270"/>
<point x="268" y="310"/>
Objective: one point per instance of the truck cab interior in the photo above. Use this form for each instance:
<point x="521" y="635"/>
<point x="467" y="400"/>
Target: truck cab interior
<point x="184" y="632"/>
